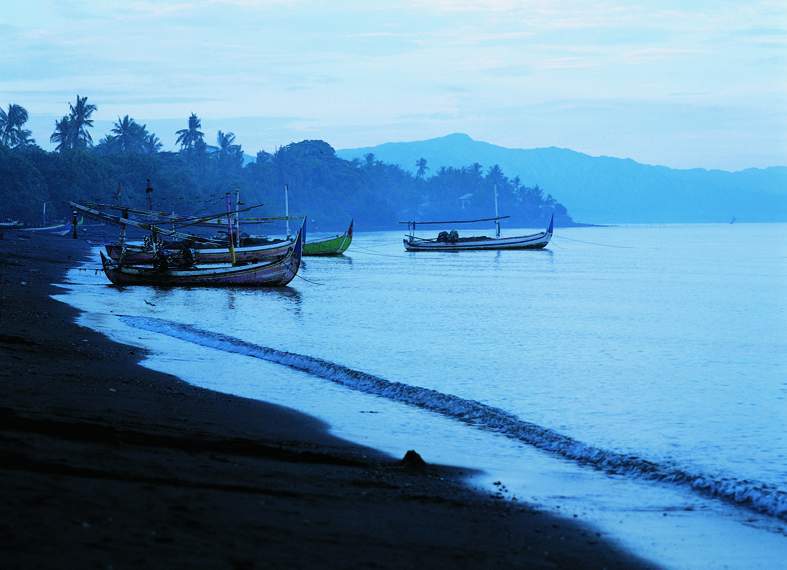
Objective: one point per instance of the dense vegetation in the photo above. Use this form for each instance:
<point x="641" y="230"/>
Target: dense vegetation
<point x="328" y="189"/>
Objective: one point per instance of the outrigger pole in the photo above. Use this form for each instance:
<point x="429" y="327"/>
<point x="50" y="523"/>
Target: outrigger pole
<point x="237" y="218"/>
<point x="411" y="222"/>
<point x="287" y="208"/>
<point x="229" y="229"/>
<point x="497" y="214"/>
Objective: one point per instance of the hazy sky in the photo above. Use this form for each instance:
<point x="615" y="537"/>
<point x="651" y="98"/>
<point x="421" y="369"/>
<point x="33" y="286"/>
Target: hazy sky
<point x="690" y="83"/>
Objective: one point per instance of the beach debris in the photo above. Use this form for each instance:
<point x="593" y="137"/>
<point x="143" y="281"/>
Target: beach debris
<point x="412" y="460"/>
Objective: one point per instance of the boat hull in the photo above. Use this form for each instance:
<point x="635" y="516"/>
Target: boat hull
<point x="136" y="255"/>
<point x="276" y="273"/>
<point x="333" y="246"/>
<point x="534" y="241"/>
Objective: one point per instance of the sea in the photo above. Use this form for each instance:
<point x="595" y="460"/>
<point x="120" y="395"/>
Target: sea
<point x="633" y="378"/>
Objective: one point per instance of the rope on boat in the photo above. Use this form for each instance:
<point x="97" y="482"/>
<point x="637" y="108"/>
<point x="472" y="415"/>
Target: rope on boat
<point x="359" y="249"/>
<point x="595" y="243"/>
<point x="309" y="280"/>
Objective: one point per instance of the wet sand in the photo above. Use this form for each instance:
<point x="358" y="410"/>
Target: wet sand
<point x="104" y="463"/>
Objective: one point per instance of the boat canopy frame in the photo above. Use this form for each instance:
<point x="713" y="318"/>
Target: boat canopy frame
<point x="411" y="224"/>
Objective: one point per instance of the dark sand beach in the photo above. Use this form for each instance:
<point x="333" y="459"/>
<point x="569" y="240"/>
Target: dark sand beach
<point x="106" y="464"/>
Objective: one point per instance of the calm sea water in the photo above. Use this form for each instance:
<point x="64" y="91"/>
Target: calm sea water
<point x="633" y="376"/>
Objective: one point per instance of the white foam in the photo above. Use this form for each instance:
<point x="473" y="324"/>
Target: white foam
<point x="755" y="495"/>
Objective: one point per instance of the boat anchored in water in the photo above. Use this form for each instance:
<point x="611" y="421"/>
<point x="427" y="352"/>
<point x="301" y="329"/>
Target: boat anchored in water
<point x="336" y="245"/>
<point x="451" y="241"/>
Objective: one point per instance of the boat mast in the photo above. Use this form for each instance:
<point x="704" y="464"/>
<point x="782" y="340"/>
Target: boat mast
<point x="229" y="228"/>
<point x="149" y="195"/>
<point x="497" y="214"/>
<point x="43" y="217"/>
<point x="287" y="208"/>
<point x="122" y="240"/>
<point x="237" y="218"/>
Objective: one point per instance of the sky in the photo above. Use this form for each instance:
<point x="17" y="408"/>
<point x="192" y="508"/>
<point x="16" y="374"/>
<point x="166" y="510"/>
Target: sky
<point x="685" y="84"/>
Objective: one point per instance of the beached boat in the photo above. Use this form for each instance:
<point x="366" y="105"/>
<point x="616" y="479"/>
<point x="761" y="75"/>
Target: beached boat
<point x="138" y="254"/>
<point x="449" y="241"/>
<point x="11" y="225"/>
<point x="336" y="245"/>
<point x="272" y="273"/>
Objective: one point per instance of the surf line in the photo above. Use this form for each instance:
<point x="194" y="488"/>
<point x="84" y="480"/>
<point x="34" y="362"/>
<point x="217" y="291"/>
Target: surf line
<point x="759" y="497"/>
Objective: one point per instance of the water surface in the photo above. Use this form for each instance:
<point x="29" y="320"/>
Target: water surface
<point x="660" y="346"/>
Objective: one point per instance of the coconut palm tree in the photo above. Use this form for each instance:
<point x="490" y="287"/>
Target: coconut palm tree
<point x="128" y="135"/>
<point x="190" y="138"/>
<point x="12" y="131"/>
<point x="79" y="117"/>
<point x="228" y="152"/>
<point x="152" y="144"/>
<point x="422" y="167"/>
<point x="63" y="135"/>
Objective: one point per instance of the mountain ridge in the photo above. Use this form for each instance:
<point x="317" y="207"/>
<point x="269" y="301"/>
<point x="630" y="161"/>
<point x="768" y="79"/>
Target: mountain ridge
<point x="605" y="189"/>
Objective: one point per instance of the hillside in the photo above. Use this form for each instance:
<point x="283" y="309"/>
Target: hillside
<point x="605" y="189"/>
<point x="326" y="188"/>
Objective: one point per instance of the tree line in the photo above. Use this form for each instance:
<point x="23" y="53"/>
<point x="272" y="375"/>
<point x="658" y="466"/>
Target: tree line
<point x="196" y="177"/>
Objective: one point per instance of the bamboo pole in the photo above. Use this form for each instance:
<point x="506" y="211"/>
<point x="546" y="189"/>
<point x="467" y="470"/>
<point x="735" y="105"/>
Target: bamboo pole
<point x="287" y="208"/>
<point x="229" y="229"/>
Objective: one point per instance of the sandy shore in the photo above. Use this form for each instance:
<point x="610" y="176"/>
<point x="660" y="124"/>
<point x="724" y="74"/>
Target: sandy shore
<point x="104" y="463"/>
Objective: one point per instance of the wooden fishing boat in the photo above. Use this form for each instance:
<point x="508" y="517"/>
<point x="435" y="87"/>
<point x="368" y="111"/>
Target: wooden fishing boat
<point x="450" y="241"/>
<point x="336" y="245"/>
<point x="59" y="229"/>
<point x="533" y="241"/>
<point x="271" y="273"/>
<point x="137" y="254"/>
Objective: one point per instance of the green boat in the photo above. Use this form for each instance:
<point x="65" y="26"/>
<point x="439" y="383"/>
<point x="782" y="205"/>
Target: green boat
<point x="336" y="245"/>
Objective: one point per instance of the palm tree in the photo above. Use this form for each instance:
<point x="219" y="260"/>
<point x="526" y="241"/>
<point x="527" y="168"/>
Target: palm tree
<point x="189" y="139"/>
<point x="152" y="144"/>
<point x="422" y="167"/>
<point x="80" y="120"/>
<point x="63" y="135"/>
<point x="128" y="135"/>
<point x="225" y="142"/>
<point x="228" y="151"/>
<point x="12" y="133"/>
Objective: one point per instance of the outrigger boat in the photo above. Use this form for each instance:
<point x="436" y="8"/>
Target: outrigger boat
<point x="336" y="245"/>
<point x="203" y="250"/>
<point x="138" y="254"/>
<point x="450" y="241"/>
<point x="272" y="273"/>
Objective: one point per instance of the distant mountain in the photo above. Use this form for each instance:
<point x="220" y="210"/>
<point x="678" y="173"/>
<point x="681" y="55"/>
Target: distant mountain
<point x="601" y="189"/>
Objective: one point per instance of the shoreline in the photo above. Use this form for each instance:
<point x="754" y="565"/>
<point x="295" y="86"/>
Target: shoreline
<point x="108" y="462"/>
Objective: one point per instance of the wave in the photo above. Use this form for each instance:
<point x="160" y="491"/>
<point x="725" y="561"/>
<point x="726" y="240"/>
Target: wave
<point x="757" y="496"/>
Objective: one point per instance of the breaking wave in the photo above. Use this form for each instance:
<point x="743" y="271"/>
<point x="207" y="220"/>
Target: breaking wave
<point x="757" y="496"/>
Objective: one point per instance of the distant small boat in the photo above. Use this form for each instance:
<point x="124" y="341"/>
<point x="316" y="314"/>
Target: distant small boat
<point x="272" y="273"/>
<point x="336" y="245"/>
<point x="11" y="225"/>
